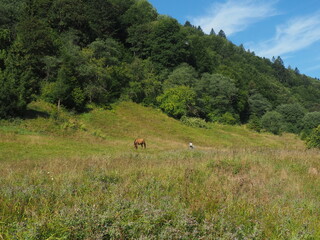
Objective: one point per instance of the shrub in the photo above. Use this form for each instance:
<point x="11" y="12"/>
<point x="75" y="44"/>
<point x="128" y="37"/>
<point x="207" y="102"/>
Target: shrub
<point x="292" y="115"/>
<point x="194" y="122"/>
<point x="12" y="102"/>
<point x="255" y="123"/>
<point x="177" y="101"/>
<point x="313" y="141"/>
<point x="309" y="121"/>
<point x="272" y="122"/>
<point x="228" y="118"/>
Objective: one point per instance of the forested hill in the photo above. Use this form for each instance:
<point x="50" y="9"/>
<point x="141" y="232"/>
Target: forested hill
<point x="78" y="52"/>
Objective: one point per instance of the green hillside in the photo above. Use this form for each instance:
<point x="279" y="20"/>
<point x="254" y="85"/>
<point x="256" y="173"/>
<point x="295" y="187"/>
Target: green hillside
<point x="106" y="51"/>
<point x="117" y="128"/>
<point x="67" y="176"/>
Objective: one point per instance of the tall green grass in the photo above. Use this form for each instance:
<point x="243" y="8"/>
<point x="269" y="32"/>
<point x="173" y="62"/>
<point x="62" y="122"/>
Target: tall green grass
<point x="86" y="181"/>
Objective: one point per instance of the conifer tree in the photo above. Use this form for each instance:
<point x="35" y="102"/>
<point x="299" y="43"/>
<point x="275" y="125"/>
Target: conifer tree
<point x="187" y="24"/>
<point x="222" y="34"/>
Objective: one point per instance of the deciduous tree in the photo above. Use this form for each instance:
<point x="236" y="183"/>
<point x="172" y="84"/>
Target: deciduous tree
<point x="177" y="101"/>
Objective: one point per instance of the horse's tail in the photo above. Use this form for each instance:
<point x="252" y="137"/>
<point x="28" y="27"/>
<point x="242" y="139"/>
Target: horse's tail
<point x="135" y="144"/>
<point x="144" y="143"/>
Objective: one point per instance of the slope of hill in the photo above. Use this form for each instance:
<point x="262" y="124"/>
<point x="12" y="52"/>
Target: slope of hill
<point x="117" y="128"/>
<point x="104" y="51"/>
<point x="79" y="177"/>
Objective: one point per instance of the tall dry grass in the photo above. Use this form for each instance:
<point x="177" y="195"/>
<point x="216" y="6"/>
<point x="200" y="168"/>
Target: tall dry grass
<point x="222" y="193"/>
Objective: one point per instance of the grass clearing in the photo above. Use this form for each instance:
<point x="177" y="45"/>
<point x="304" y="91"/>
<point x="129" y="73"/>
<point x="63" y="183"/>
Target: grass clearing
<point x="84" y="180"/>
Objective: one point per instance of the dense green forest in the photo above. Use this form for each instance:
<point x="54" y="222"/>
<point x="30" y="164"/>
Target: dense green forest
<point x="78" y="52"/>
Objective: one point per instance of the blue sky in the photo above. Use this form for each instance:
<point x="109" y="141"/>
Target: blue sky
<point x="286" y="28"/>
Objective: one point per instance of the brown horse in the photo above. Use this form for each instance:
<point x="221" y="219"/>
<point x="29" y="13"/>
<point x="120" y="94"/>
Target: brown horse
<point x="139" y="141"/>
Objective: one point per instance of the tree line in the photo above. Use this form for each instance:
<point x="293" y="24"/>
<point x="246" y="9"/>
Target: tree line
<point x="78" y="52"/>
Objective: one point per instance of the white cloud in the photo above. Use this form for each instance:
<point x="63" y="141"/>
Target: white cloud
<point x="296" y="34"/>
<point x="235" y="15"/>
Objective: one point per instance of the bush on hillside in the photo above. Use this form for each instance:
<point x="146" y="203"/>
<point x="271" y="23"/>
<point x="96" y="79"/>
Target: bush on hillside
<point x="194" y="122"/>
<point x="292" y="115"/>
<point x="226" y="118"/>
<point x="255" y="124"/>
<point x="12" y="100"/>
<point x="309" y="121"/>
<point x="313" y="140"/>
<point x="177" y="101"/>
<point x="272" y="122"/>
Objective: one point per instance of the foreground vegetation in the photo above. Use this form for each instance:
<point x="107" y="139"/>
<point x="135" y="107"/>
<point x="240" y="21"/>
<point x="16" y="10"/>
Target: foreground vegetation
<point x="79" y="177"/>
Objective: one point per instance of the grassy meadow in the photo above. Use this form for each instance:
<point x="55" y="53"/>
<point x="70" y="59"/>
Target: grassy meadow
<point x="79" y="177"/>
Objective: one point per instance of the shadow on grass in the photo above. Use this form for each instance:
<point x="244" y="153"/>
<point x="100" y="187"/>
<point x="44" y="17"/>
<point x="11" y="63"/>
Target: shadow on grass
<point x="33" y="114"/>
